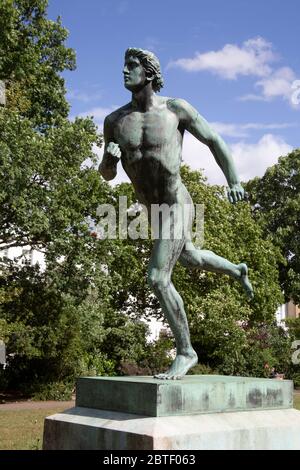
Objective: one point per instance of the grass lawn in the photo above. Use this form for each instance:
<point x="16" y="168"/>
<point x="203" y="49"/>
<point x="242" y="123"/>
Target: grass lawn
<point x="23" y="429"/>
<point x="297" y="401"/>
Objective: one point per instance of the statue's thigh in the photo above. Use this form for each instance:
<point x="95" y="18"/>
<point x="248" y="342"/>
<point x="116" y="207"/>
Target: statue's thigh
<point x="165" y="253"/>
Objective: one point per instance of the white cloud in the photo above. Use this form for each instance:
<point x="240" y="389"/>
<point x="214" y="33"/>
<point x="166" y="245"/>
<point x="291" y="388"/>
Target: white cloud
<point x="99" y="113"/>
<point x="251" y="159"/>
<point x="252" y="58"/>
<point x="242" y="130"/>
<point x="228" y="129"/>
<point x="262" y="126"/>
<point x="83" y="96"/>
<point x="251" y="97"/>
<point x="279" y="84"/>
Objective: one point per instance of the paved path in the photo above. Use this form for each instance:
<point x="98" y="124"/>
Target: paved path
<point x="36" y="405"/>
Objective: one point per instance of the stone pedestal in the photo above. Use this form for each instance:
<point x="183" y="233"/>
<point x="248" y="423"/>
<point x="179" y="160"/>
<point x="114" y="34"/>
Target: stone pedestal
<point x="197" y="412"/>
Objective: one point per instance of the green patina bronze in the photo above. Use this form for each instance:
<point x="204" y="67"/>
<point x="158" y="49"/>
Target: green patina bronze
<point x="192" y="395"/>
<point x="146" y="135"/>
<point x="197" y="412"/>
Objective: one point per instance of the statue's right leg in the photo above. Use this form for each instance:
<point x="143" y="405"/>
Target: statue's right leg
<point x="164" y="255"/>
<point x="208" y="261"/>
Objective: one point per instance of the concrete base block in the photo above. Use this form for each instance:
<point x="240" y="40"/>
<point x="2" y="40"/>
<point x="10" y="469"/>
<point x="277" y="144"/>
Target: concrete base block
<point x="85" y="428"/>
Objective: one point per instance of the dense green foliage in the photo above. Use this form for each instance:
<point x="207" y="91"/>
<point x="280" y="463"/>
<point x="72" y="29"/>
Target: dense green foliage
<point x="230" y="334"/>
<point x="59" y="322"/>
<point x="276" y="198"/>
<point x="226" y="328"/>
<point x="276" y="202"/>
<point x="81" y="313"/>
<point x="32" y="53"/>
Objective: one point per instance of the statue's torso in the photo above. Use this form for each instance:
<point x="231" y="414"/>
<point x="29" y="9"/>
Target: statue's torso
<point x="151" y="144"/>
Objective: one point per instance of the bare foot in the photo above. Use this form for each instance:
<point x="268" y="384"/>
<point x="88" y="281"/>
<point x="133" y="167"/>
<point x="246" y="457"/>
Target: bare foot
<point x="181" y="365"/>
<point x="244" y="280"/>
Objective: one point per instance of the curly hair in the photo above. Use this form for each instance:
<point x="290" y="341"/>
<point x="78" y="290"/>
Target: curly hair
<point x="150" y="63"/>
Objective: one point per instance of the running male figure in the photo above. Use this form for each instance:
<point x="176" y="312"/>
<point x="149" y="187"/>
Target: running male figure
<point x="147" y="134"/>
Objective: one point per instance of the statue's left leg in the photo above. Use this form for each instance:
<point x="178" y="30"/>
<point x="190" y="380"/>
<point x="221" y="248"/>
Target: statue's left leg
<point x="207" y="260"/>
<point x="165" y="254"/>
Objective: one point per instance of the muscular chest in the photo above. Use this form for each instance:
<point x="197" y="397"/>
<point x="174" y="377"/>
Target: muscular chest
<point x="146" y="131"/>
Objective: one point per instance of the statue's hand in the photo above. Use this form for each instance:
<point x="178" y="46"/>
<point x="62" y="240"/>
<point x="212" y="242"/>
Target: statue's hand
<point x="114" y="151"/>
<point x="235" y="193"/>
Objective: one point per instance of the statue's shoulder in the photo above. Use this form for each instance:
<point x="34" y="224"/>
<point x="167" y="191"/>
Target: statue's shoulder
<point x="117" y="114"/>
<point x="178" y="106"/>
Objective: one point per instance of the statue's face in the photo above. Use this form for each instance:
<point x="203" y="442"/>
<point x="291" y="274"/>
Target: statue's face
<point x="134" y="74"/>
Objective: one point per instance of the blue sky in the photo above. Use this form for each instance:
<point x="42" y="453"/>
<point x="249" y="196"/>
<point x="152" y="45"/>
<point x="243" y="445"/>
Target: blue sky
<point x="235" y="61"/>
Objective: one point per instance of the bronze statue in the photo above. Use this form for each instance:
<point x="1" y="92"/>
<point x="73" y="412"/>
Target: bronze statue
<point x="146" y="135"/>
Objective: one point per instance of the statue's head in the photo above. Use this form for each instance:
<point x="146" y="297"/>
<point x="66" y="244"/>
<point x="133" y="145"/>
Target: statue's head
<point x="150" y="64"/>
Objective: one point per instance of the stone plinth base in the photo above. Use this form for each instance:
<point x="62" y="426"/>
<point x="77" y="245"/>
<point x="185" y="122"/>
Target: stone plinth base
<point x="197" y="412"/>
<point x="84" y="428"/>
<point x="193" y="394"/>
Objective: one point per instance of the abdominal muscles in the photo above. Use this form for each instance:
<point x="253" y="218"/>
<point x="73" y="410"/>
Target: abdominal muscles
<point x="154" y="175"/>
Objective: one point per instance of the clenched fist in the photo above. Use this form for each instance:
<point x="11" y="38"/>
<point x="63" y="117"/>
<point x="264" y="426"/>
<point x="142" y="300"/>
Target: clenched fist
<point x="114" y="150"/>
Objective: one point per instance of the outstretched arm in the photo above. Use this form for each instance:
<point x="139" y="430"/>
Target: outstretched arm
<point x="112" y="153"/>
<point x="191" y="120"/>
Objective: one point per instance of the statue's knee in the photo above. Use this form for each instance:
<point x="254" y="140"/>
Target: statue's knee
<point x="158" y="280"/>
<point x="152" y="278"/>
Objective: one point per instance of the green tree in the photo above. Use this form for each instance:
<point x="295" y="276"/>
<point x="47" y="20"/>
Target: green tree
<point x="222" y="321"/>
<point x="293" y="325"/>
<point x="44" y="190"/>
<point x="82" y="314"/>
<point x="56" y="331"/>
<point x="32" y="55"/>
<point x="62" y="321"/>
<point x="276" y="199"/>
<point x="225" y="328"/>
